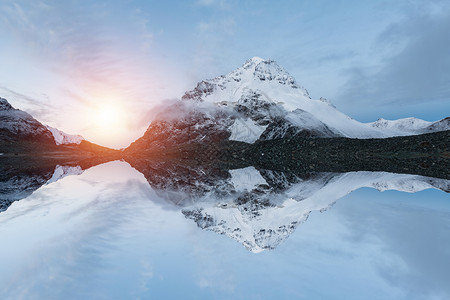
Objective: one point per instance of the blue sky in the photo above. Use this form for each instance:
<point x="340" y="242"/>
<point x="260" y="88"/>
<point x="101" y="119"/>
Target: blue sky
<point x="61" y="60"/>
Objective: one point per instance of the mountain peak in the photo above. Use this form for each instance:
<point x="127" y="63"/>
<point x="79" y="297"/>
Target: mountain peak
<point x="253" y="62"/>
<point x="266" y="69"/>
<point x="4" y="104"/>
<point x="255" y="74"/>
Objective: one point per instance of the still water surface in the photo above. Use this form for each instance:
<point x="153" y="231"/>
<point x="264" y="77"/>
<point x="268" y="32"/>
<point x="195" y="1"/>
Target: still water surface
<point x="113" y="233"/>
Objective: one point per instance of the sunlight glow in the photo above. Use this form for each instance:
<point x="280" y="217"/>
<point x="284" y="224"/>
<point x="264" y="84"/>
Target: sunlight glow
<point x="107" y="123"/>
<point x="107" y="117"/>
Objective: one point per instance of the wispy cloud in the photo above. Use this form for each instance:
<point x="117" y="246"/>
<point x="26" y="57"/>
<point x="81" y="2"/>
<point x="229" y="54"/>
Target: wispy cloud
<point x="415" y="63"/>
<point x="86" y="43"/>
<point x="38" y="107"/>
<point x="222" y="4"/>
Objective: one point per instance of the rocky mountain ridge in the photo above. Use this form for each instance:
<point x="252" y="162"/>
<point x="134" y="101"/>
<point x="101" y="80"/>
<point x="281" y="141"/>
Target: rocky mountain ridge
<point x="16" y="124"/>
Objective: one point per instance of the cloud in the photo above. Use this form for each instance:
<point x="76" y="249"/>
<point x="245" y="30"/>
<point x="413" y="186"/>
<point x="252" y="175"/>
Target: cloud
<point x="414" y="67"/>
<point x="405" y="236"/>
<point x="39" y="107"/>
<point x="86" y="43"/>
<point x="222" y="4"/>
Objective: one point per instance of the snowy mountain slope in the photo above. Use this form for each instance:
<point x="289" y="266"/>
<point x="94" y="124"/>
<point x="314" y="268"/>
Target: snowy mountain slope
<point x="64" y="138"/>
<point x="296" y="123"/>
<point x="440" y="125"/>
<point x="404" y="126"/>
<point x="410" y="126"/>
<point x="245" y="130"/>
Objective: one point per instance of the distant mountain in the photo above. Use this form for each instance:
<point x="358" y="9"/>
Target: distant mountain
<point x="262" y="101"/>
<point x="410" y="126"/>
<point x="19" y="125"/>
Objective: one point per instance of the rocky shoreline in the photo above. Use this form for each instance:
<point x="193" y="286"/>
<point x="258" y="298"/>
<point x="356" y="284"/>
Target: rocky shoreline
<point x="426" y="154"/>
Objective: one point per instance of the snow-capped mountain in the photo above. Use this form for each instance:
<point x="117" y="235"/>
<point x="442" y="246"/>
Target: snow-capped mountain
<point x="406" y="124"/>
<point x="16" y="124"/>
<point x="62" y="138"/>
<point x="267" y="87"/>
<point x="410" y="126"/>
<point x="262" y="101"/>
<point x="401" y="126"/>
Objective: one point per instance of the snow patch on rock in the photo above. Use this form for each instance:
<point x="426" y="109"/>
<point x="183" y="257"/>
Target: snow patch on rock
<point x="62" y="138"/>
<point x="246" y="130"/>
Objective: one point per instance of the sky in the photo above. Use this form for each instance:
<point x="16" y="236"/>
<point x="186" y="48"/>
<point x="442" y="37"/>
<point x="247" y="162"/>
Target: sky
<point x="82" y="66"/>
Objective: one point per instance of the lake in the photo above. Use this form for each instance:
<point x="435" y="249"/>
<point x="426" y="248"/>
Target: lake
<point x="166" y="231"/>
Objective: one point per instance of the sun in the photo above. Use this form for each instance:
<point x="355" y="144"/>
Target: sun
<point x="107" y="116"/>
<point x="108" y="123"/>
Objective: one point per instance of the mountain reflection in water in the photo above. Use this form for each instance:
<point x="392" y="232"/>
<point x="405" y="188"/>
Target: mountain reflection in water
<point x="261" y="208"/>
<point x="111" y="232"/>
<point x="257" y="208"/>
